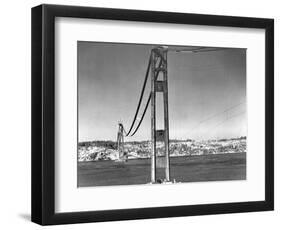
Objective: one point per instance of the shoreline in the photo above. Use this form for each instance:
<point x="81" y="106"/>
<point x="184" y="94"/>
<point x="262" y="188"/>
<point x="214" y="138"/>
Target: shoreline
<point x="145" y="158"/>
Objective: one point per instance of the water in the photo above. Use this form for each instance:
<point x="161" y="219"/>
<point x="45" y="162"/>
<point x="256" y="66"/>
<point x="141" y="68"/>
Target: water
<point x="231" y="166"/>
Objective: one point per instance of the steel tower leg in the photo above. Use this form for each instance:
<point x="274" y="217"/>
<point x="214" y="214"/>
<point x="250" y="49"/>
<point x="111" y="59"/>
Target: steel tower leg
<point x="166" y="117"/>
<point x="153" y="123"/>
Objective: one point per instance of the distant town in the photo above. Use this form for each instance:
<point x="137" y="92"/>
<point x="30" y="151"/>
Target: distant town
<point x="107" y="150"/>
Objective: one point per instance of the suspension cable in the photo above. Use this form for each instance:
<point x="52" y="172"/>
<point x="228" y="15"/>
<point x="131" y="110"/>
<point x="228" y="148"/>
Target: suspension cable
<point x="141" y="96"/>
<point x="147" y="103"/>
<point x="146" y="106"/>
<point x="214" y="115"/>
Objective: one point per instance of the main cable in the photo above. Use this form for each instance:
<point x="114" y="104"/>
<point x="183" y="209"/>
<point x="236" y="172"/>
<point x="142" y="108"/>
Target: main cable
<point x="147" y="103"/>
<point x="146" y="106"/>
<point x="141" y="96"/>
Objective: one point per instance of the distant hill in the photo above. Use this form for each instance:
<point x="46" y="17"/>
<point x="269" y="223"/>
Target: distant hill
<point x="107" y="150"/>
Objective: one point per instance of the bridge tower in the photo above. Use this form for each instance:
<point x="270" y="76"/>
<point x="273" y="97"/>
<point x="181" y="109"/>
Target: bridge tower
<point x="159" y="66"/>
<point x="120" y="141"/>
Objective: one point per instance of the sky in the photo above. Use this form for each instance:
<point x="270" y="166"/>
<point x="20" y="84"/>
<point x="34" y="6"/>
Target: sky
<point x="206" y="92"/>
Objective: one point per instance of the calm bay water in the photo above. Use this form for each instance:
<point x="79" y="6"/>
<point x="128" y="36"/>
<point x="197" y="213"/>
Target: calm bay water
<point x="231" y="166"/>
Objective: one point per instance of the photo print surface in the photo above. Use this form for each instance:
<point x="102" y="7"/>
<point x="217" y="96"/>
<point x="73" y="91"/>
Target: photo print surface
<point x="160" y="114"/>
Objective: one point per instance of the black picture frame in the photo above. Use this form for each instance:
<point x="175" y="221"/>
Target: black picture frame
<point x="43" y="114"/>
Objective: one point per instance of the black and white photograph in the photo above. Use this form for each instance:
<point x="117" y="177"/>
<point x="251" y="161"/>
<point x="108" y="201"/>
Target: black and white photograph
<point x="148" y="113"/>
<point x="160" y="114"/>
